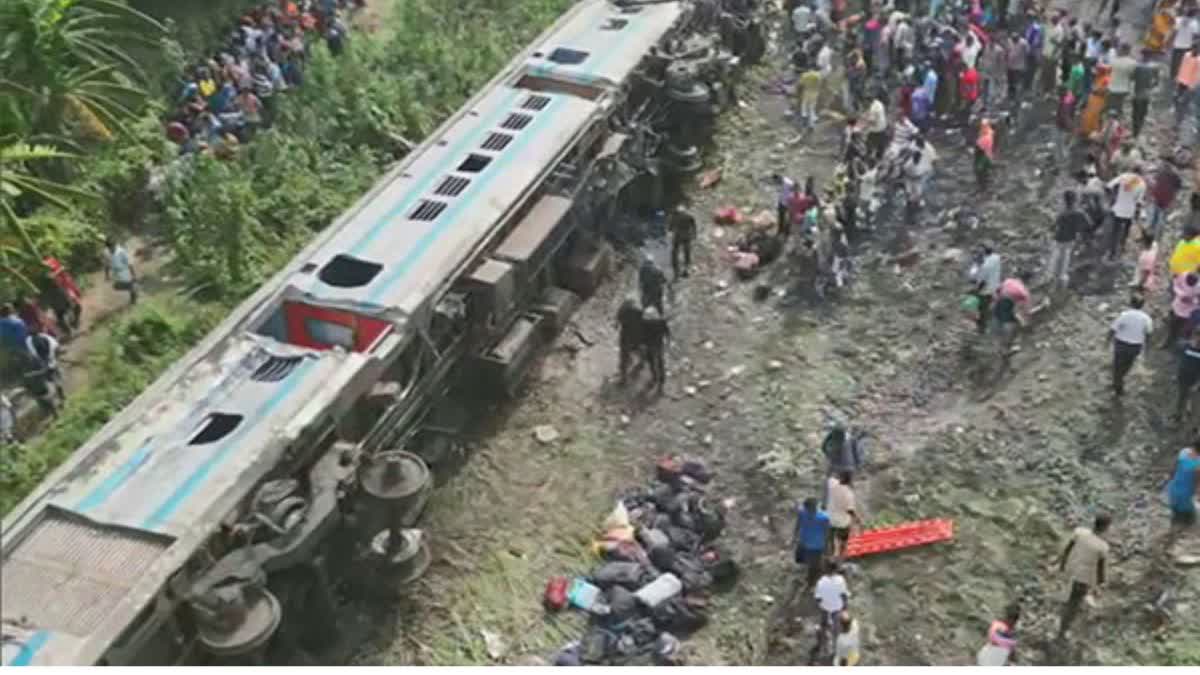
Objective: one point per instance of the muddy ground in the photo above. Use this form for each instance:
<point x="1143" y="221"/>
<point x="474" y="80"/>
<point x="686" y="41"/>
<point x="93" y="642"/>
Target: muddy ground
<point x="1016" y="458"/>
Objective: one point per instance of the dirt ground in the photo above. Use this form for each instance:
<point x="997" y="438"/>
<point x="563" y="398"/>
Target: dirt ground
<point x="1017" y="458"/>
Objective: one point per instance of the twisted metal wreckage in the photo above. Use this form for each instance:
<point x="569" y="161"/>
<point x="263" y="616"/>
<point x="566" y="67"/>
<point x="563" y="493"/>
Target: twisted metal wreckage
<point x="203" y="522"/>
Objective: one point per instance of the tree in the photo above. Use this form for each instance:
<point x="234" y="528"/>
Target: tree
<point x="19" y="185"/>
<point x="65" y="64"/>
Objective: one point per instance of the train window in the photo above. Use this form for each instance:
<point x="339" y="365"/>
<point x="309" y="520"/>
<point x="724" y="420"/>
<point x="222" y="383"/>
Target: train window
<point x="345" y="271"/>
<point x="428" y="210"/>
<point x="452" y="186"/>
<point x="497" y="142"/>
<point x="474" y="163"/>
<point x="516" y="121"/>
<point x="330" y="333"/>
<point x="216" y="426"/>
<point x="276" y="368"/>
<point x="568" y="57"/>
<point x="615" y="24"/>
<point x="537" y="102"/>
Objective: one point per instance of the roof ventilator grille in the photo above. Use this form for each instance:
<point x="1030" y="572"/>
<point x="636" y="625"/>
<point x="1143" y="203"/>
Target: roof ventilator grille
<point x="516" y="121"/>
<point x="536" y="102"/>
<point x="496" y="142"/>
<point x="428" y="210"/>
<point x="276" y="368"/>
<point x="452" y="186"/>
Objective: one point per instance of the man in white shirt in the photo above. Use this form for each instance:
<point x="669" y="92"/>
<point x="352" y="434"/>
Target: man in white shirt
<point x="1131" y="188"/>
<point x="920" y="169"/>
<point x="876" y="129"/>
<point x="801" y="17"/>
<point x="988" y="278"/>
<point x="120" y="269"/>
<point x="832" y="595"/>
<point x="1129" y="333"/>
<point x="1186" y="29"/>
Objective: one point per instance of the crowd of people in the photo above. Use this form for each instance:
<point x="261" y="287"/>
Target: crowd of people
<point x="225" y="99"/>
<point x="980" y="67"/>
<point x="904" y="74"/>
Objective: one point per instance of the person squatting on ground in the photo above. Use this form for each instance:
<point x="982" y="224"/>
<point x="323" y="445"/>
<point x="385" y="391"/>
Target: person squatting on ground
<point x="1001" y="645"/>
<point x="1184" y="485"/>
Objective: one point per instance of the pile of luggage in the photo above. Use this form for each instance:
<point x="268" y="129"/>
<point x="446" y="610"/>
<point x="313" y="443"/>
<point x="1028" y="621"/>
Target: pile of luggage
<point x="660" y="565"/>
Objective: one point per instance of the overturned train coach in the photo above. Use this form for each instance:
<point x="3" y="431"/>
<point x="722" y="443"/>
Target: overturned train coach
<point x="206" y="518"/>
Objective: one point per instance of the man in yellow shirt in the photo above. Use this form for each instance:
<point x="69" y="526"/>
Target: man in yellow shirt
<point x="810" y="94"/>
<point x="1083" y="559"/>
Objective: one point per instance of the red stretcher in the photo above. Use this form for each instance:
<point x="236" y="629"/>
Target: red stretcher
<point x="899" y="537"/>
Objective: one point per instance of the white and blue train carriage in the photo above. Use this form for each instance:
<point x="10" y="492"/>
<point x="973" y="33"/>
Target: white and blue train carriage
<point x="460" y="255"/>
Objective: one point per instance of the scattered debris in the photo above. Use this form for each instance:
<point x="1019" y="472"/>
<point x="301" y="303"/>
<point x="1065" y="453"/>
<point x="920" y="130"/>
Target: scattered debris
<point x="709" y="178"/>
<point x="496" y="646"/>
<point x="544" y="433"/>
<point x="727" y="215"/>
<point x="659" y="567"/>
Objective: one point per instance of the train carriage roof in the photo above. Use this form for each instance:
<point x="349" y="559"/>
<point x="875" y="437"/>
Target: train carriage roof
<point x="103" y="537"/>
<point x="603" y="44"/>
<point x="428" y="221"/>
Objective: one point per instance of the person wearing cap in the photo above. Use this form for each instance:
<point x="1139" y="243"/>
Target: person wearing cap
<point x="655" y="336"/>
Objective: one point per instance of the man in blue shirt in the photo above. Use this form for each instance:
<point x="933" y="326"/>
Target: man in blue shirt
<point x="13" y="333"/>
<point x="809" y="539"/>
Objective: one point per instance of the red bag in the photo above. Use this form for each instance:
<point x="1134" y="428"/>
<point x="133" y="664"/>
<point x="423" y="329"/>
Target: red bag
<point x="727" y="216"/>
<point x="555" y="597"/>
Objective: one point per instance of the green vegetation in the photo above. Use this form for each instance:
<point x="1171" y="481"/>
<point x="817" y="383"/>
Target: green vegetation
<point x="137" y="348"/>
<point x="230" y="223"/>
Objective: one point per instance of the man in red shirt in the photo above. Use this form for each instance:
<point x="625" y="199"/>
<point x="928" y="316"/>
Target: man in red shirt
<point x="968" y="90"/>
<point x="1164" y="186"/>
